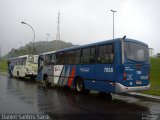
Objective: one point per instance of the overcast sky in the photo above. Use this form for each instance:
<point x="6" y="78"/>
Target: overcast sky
<point x="82" y="21"/>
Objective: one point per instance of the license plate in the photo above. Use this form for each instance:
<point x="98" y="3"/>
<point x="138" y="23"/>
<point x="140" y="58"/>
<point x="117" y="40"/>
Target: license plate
<point x="138" y="82"/>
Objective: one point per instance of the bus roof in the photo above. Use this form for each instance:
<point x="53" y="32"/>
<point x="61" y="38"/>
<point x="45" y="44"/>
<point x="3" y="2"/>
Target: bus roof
<point x="100" y="43"/>
<point x="135" y="41"/>
<point x="45" y="53"/>
<point x="93" y="44"/>
<point x="88" y="45"/>
<point x="23" y="56"/>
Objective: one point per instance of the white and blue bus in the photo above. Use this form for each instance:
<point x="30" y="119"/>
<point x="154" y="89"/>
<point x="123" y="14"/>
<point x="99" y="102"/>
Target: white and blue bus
<point x="23" y="66"/>
<point x="113" y="66"/>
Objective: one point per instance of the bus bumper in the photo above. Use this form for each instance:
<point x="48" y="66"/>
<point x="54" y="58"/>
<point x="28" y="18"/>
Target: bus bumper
<point x="122" y="89"/>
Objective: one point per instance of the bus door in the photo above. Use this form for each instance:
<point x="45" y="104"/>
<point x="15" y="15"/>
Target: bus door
<point x="48" y="69"/>
<point x="40" y="67"/>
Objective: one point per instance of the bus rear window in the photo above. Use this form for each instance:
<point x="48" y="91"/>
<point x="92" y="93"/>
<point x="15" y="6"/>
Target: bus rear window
<point x="136" y="52"/>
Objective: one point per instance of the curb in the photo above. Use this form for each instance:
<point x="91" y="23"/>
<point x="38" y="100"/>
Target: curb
<point x="142" y="96"/>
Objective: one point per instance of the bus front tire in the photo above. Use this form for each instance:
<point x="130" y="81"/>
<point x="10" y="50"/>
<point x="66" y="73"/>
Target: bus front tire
<point x="45" y="79"/>
<point x="79" y="86"/>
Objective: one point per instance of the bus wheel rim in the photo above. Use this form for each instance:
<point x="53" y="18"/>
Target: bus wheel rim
<point x="79" y="86"/>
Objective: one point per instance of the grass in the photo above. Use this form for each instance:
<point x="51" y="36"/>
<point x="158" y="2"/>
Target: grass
<point x="155" y="77"/>
<point x="3" y="66"/>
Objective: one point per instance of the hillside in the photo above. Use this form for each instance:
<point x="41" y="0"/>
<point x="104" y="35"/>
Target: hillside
<point x="39" y="47"/>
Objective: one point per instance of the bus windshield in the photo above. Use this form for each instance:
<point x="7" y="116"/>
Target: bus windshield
<point x="136" y="52"/>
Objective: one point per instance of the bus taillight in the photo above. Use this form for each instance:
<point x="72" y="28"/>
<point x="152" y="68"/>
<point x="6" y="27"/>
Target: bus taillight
<point x="124" y="76"/>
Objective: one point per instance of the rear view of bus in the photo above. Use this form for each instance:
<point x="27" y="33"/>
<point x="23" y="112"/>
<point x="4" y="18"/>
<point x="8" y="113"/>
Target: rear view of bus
<point x="135" y="68"/>
<point x="23" y="66"/>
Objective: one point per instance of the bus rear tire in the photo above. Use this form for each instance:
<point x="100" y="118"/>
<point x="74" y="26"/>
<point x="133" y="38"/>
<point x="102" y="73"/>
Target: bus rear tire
<point x="79" y="86"/>
<point x="32" y="77"/>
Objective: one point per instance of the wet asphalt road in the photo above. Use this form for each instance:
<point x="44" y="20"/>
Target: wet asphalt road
<point x="18" y="96"/>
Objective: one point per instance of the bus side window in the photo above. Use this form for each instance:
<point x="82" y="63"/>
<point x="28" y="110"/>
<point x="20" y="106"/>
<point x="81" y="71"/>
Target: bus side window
<point x="23" y="61"/>
<point x="71" y="57"/>
<point x="58" y="58"/>
<point x="88" y="55"/>
<point x="16" y="62"/>
<point x="106" y="54"/>
<point x="61" y="58"/>
<point x="77" y="54"/>
<point x="52" y="59"/>
<point x="47" y="59"/>
<point x="101" y="54"/>
<point x="110" y="52"/>
<point x="19" y="61"/>
<point x="92" y="55"/>
<point x="85" y="55"/>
